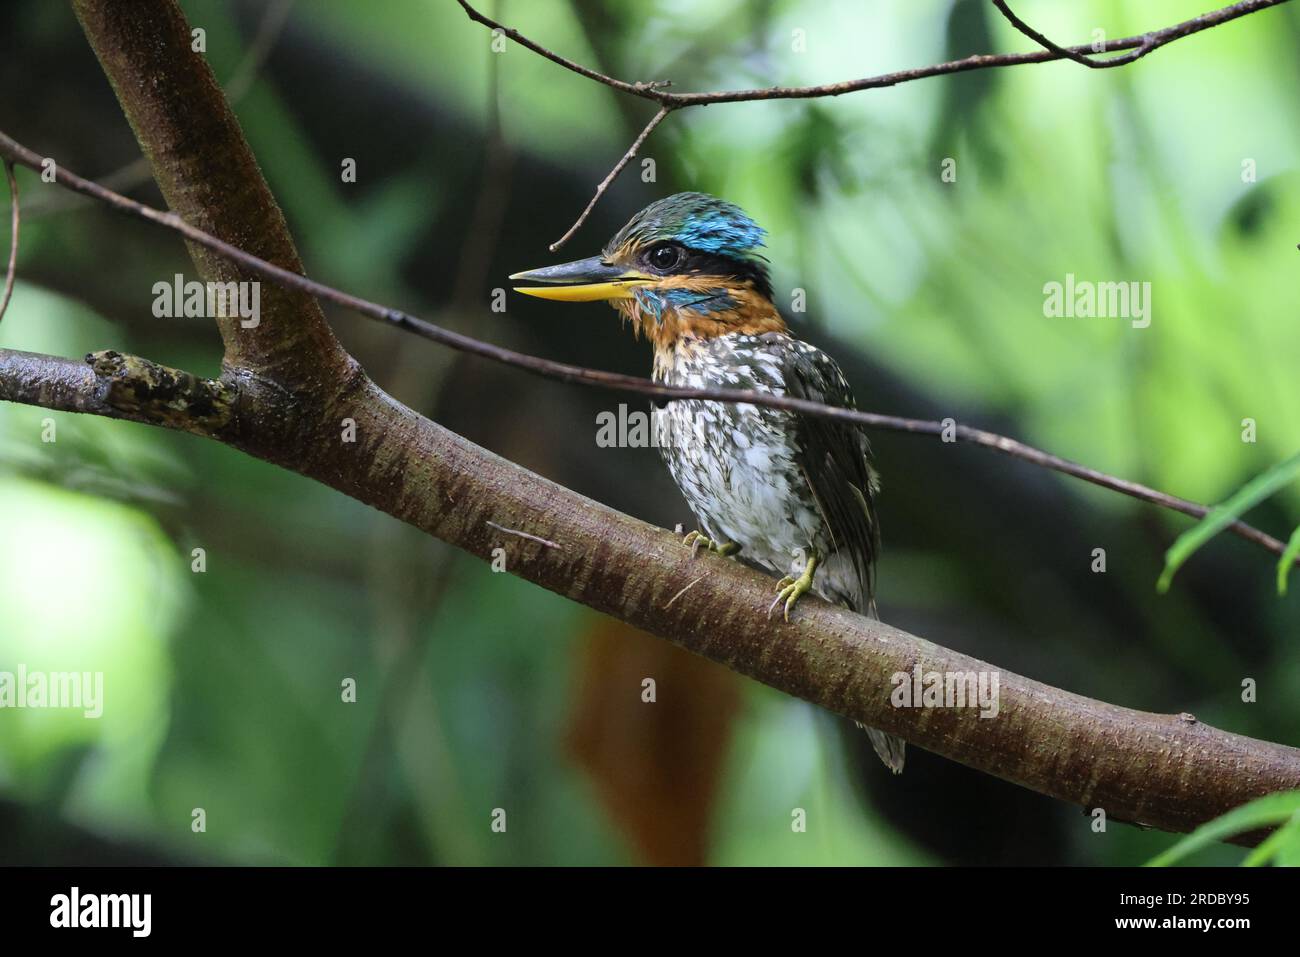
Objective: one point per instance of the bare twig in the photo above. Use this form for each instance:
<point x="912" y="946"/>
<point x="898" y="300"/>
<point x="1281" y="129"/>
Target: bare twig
<point x="625" y="383"/>
<point x="483" y="229"/>
<point x="683" y="592"/>
<point x="981" y="61"/>
<point x="268" y="32"/>
<point x="651" y="91"/>
<point x="1149" y="43"/>
<point x="11" y="271"/>
<point x="618" y="168"/>
<point x="514" y="531"/>
<point x="1139" y="45"/>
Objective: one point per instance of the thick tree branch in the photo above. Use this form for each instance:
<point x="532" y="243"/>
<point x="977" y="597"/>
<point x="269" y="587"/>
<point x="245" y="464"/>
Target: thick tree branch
<point x="210" y="179"/>
<point x="120" y="387"/>
<point x="1167" y="771"/>
<point x="657" y="90"/>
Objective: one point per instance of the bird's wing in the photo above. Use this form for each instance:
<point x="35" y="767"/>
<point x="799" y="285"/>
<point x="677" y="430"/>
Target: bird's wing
<point x="835" y="458"/>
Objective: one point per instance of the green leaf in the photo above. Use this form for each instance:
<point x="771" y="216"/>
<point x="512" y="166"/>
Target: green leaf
<point x="1285" y="839"/>
<point x="1287" y="560"/>
<point x="1221" y="516"/>
<point x="1288" y="852"/>
<point x="1271" y="809"/>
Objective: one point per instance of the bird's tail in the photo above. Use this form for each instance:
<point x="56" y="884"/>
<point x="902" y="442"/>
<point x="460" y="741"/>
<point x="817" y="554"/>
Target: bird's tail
<point x="891" y="748"/>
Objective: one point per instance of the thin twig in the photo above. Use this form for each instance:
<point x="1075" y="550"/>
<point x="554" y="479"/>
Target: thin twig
<point x="979" y="61"/>
<point x="530" y="537"/>
<point x="268" y="32"/>
<point x="564" y="372"/>
<point x="1147" y="46"/>
<point x="484" y="226"/>
<point x="11" y="271"/>
<point x="618" y="168"/>
<point x="669" y="604"/>
<point x="1139" y="45"/>
<point x="651" y="91"/>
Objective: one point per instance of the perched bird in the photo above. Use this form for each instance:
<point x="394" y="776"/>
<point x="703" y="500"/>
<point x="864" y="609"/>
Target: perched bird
<point x="790" y="493"/>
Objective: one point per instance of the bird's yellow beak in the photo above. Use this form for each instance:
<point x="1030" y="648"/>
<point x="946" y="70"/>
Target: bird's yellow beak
<point x="586" y="280"/>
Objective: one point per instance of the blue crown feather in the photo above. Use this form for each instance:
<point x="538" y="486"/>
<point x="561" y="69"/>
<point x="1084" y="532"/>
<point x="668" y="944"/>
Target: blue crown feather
<point x="698" y="221"/>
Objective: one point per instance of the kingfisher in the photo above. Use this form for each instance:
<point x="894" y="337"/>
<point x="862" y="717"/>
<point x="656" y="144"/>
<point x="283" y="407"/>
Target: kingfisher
<point x="792" y="494"/>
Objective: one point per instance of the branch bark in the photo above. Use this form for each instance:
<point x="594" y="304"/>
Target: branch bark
<point x="287" y="389"/>
<point x="1166" y="771"/>
<point x="210" y="179"/>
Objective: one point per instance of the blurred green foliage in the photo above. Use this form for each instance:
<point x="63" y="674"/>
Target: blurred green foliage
<point x="1182" y="170"/>
<point x="1245" y="498"/>
<point x="1280" y="811"/>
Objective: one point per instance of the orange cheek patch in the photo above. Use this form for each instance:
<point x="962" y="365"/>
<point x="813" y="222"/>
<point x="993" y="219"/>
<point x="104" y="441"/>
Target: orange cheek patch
<point x="747" y="313"/>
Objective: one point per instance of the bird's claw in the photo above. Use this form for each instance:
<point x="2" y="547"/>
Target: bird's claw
<point x="697" y="540"/>
<point x="790" y="590"/>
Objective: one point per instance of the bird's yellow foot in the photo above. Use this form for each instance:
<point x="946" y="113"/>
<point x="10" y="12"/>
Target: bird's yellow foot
<point x="697" y="540"/>
<point x="790" y="590"/>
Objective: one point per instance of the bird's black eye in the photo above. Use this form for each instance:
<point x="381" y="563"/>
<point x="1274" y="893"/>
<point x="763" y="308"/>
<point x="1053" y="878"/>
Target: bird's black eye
<point x="666" y="256"/>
